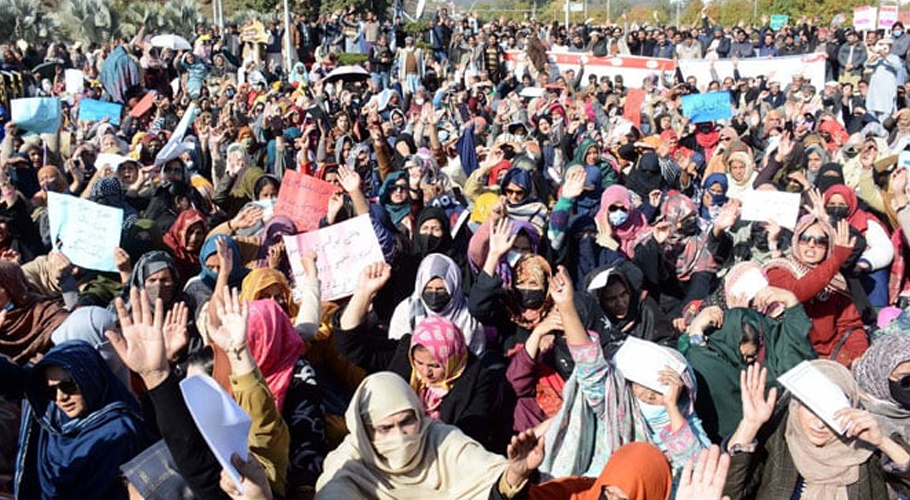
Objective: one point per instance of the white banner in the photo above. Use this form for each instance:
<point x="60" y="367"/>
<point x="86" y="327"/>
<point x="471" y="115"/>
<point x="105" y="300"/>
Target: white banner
<point x="781" y="69"/>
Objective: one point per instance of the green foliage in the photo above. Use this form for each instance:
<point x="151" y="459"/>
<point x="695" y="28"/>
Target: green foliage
<point x="347" y="59"/>
<point x="416" y="29"/>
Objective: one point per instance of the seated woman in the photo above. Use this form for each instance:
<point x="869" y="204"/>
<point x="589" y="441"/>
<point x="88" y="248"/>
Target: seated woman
<point x="184" y="239"/>
<point x="220" y="260"/>
<point x="455" y="386"/>
<point x="266" y="283"/>
<point x="603" y="410"/>
<point x="394" y="450"/>
<point x="811" y="273"/>
<point x="788" y="452"/>
<point x="438" y="293"/>
<point x="80" y="424"/>
<point x="27" y="320"/>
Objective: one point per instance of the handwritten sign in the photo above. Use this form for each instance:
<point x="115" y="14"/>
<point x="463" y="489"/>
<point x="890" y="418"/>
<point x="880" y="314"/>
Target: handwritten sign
<point x="342" y="251"/>
<point x="92" y="110"/>
<point x="41" y="115"/>
<point x="764" y="206"/>
<point x="864" y="18"/>
<point x="86" y="232"/>
<point x="254" y="33"/>
<point x="707" y="107"/>
<point x="778" y="21"/>
<point x="304" y="199"/>
<point x="887" y="16"/>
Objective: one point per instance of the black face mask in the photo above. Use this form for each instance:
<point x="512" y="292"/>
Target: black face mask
<point x="436" y="300"/>
<point x="532" y="299"/>
<point x="429" y="243"/>
<point x="689" y="226"/>
<point x="837" y="213"/>
<point x="900" y="391"/>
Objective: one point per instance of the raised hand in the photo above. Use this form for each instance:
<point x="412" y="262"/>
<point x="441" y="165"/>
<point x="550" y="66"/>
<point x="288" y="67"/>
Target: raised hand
<point x="174" y="329"/>
<point x="308" y="260"/>
<point x="704" y="478"/>
<point x="842" y="237"/>
<point x="501" y="238"/>
<point x="246" y="218"/>
<point x="575" y="183"/>
<point x="757" y="409"/>
<point x="661" y="232"/>
<point x="861" y="425"/>
<point x="728" y="216"/>
<point x="675" y="387"/>
<point x="709" y="316"/>
<point x="374" y="276"/>
<point x="525" y="454"/>
<point x="253" y="480"/>
<point x="10" y="255"/>
<point x="230" y="335"/>
<point x="349" y="179"/>
<point x="817" y="204"/>
<point x="122" y="261"/>
<point x="768" y="296"/>
<point x="225" y="256"/>
<point x="140" y="343"/>
<point x="561" y="287"/>
<point x="276" y="251"/>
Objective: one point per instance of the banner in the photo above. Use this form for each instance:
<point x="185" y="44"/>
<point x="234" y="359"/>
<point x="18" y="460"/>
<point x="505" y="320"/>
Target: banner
<point x="864" y="18"/>
<point x="41" y="115"/>
<point x="708" y="107"/>
<point x="254" y="32"/>
<point x="304" y="199"/>
<point x="782" y="69"/>
<point x="342" y="251"/>
<point x="632" y="69"/>
<point x="91" y="110"/>
<point x="86" y="232"/>
<point x="778" y="21"/>
<point x="887" y="16"/>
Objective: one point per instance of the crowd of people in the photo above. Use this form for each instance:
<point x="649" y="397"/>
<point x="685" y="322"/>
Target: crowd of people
<point x="535" y="243"/>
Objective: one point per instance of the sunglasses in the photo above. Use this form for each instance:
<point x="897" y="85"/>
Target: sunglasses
<point x="516" y="192"/>
<point x="67" y="387"/>
<point x="819" y="241"/>
<point x="398" y="188"/>
<point x="617" y="208"/>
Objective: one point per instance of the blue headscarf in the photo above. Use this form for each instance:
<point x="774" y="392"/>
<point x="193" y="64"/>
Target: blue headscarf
<point x="521" y="178"/>
<point x="717" y="200"/>
<point x="79" y="457"/>
<point x="209" y="248"/>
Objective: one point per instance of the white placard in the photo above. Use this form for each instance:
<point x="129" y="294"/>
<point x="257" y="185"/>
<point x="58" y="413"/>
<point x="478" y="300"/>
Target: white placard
<point x="641" y="361"/>
<point x="75" y="81"/>
<point x="817" y="392"/>
<point x="864" y="18"/>
<point x="86" y="232"/>
<point x="777" y="206"/>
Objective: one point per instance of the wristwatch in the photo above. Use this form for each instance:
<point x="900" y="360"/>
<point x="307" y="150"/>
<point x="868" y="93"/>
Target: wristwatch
<point x="738" y="448"/>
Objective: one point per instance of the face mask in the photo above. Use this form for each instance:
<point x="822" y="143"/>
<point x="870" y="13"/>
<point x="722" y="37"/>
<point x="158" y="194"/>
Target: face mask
<point x="653" y="413"/>
<point x="398" y="451"/>
<point x="689" y="226"/>
<point x="419" y="101"/>
<point x="618" y="217"/>
<point x="436" y="301"/>
<point x="512" y="257"/>
<point x="837" y="213"/>
<point x="532" y="299"/>
<point x="330" y="90"/>
<point x="429" y="242"/>
<point x="900" y="393"/>
<point x="896" y="33"/>
<point x="718" y="199"/>
<point x="230" y="93"/>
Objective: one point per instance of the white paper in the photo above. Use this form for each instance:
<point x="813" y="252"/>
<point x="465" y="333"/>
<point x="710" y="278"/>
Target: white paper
<point x="817" y="392"/>
<point x="641" y="361"/>
<point x="749" y="284"/>
<point x="600" y="280"/>
<point x="764" y="206"/>
<point x="75" y="81"/>
<point x="86" y="232"/>
<point x="223" y="423"/>
<point x="110" y="160"/>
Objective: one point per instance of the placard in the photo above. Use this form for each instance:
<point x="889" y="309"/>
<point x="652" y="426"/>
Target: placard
<point x="777" y="206"/>
<point x="778" y="21"/>
<point x="864" y="18"/>
<point x="75" y="81"/>
<point x="304" y="199"/>
<point x="707" y="107"/>
<point x="631" y="108"/>
<point x="342" y="251"/>
<point x="92" y="110"/>
<point x="171" y="149"/>
<point x="85" y="231"/>
<point x="41" y="115"/>
<point x="812" y="388"/>
<point x="887" y="16"/>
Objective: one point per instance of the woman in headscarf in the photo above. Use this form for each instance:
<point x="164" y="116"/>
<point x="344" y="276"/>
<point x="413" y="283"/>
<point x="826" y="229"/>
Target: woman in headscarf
<point x="875" y="260"/>
<point x="265" y="283"/>
<point x="797" y="454"/>
<point x="27" y="319"/>
<point x="395" y="452"/>
<point x="637" y="471"/>
<point x="521" y="198"/>
<point x="811" y="272"/>
<point x="628" y="226"/>
<point x="142" y="237"/>
<point x="200" y="287"/>
<point x="236" y="187"/>
<point x="714" y="195"/>
<point x="740" y="174"/>
<point x="108" y="192"/>
<point x="883" y="377"/>
<point x="79" y="425"/>
<point x="815" y="157"/>
<point x="184" y="239"/>
<point x="271" y="245"/>
<point x="829" y="175"/>
<point x="396" y="198"/>
<point x="438" y="293"/>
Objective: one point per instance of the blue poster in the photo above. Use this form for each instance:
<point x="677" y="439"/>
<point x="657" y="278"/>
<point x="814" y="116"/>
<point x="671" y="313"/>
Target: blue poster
<point x="91" y="110"/>
<point x="41" y="115"/>
<point x="708" y="107"/>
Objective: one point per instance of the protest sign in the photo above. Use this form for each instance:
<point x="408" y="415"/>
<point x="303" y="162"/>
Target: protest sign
<point x="75" y="81"/>
<point x="764" y="206"/>
<point x="813" y="389"/>
<point x="144" y="104"/>
<point x="633" y="69"/>
<point x="221" y="421"/>
<point x="632" y="106"/>
<point x="86" y="232"/>
<point x="41" y="115"/>
<point x="304" y="199"/>
<point x="887" y="16"/>
<point x="810" y="66"/>
<point x="174" y="147"/>
<point x="707" y="107"/>
<point x="864" y="18"/>
<point x="91" y="110"/>
<point x="342" y="251"/>
<point x="778" y="21"/>
<point x="254" y="32"/>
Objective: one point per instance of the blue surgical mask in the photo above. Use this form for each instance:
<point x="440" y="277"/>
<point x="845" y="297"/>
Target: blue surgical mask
<point x="618" y="217"/>
<point x="653" y="413"/>
<point x="896" y="33"/>
<point x="512" y="257"/>
<point x="718" y="199"/>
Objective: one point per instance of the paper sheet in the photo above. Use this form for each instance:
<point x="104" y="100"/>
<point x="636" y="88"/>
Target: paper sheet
<point x="86" y="232"/>
<point x="641" y="361"/>
<point x="763" y="206"/>
<point x="812" y="388"/>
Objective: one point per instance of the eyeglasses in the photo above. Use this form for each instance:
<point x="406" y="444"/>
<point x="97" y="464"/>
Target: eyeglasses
<point x="67" y="387"/>
<point x="819" y="241"/>
<point x="516" y="192"/>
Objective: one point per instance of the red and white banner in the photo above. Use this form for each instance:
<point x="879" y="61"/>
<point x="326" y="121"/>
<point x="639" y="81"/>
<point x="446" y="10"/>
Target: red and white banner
<point x="633" y="69"/>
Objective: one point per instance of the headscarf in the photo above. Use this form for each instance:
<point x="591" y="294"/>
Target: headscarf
<point x="822" y="153"/>
<point x="645" y="176"/>
<point x="188" y="263"/>
<point x="688" y="253"/>
<point x="150" y="264"/>
<point x="209" y="248"/>
<point x="824" y="181"/>
<point x="521" y="178"/>
<point x="872" y="372"/>
<point x="716" y="201"/>
<point x="635" y="229"/>
<point x="398" y="212"/>
<point x="58" y="184"/>
<point x="263" y="277"/>
<point x="827" y="470"/>
<point x="640" y="470"/>
<point x="738" y="188"/>
<point x="141" y="237"/>
<point x="442" y="339"/>
<point x="530" y="267"/>
<point x="437" y="462"/>
<point x="274" y="345"/>
<point x="108" y="191"/>
<point x="88" y="324"/>
<point x="857" y="218"/>
<point x="64" y="456"/>
<point x="798" y="268"/>
<point x="272" y="233"/>
<point x="29" y="324"/>
<point x="421" y="245"/>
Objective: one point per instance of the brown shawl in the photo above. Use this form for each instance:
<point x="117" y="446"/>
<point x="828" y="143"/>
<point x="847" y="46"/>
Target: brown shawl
<point x="26" y="329"/>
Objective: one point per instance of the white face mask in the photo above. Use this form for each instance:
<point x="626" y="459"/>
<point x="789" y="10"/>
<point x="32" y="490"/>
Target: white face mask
<point x="398" y="451"/>
<point x="652" y="413"/>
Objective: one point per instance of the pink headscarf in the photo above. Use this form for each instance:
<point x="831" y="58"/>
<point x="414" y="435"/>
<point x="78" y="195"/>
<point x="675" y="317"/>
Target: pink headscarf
<point x="275" y="346"/>
<point x="446" y="344"/>
<point x="635" y="229"/>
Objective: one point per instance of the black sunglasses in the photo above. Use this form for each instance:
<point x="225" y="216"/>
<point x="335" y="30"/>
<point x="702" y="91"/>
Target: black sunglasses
<point x="67" y="387"/>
